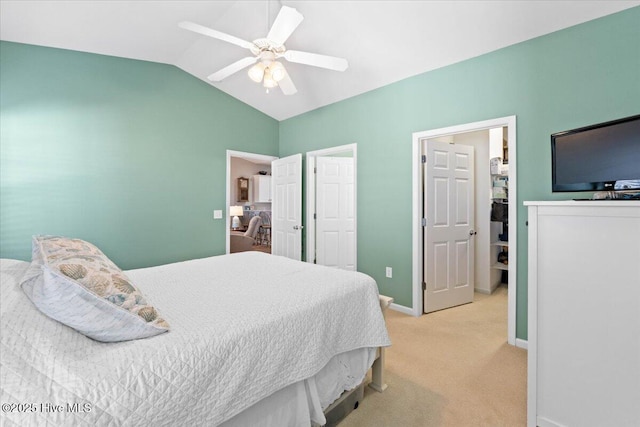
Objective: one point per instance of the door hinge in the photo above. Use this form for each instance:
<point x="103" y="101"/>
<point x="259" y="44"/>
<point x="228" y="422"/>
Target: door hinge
<point x="424" y="286"/>
<point x="424" y="158"/>
<point x="314" y="260"/>
<point x="424" y="222"/>
<point x="314" y="216"/>
<point x="315" y="169"/>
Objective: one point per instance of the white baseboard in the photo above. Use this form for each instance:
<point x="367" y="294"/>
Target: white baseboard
<point x="402" y="309"/>
<point x="545" y="422"/>
<point x="490" y="291"/>
<point x="522" y="343"/>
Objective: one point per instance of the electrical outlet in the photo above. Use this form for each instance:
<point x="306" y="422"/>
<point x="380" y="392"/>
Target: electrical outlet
<point x="389" y="272"/>
<point x="217" y="214"/>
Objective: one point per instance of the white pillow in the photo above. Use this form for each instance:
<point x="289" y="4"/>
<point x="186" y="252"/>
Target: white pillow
<point x="35" y="269"/>
<point x="82" y="288"/>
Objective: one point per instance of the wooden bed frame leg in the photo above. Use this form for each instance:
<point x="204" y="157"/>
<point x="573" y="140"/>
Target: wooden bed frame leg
<point x="377" y="370"/>
<point x="377" y="373"/>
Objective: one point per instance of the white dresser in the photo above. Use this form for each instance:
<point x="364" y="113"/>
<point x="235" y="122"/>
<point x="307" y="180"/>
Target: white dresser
<point x="584" y="314"/>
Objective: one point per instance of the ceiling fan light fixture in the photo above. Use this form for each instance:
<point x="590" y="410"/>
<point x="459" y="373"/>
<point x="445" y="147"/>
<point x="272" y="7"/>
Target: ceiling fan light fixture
<point x="268" y="81"/>
<point x="264" y="67"/>
<point x="256" y="73"/>
<point x="277" y="71"/>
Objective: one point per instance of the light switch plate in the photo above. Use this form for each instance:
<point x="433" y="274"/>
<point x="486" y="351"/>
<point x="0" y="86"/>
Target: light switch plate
<point x="217" y="214"/>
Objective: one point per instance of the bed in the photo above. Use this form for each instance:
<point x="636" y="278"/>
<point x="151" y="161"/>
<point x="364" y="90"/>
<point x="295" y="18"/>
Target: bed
<point x="254" y="339"/>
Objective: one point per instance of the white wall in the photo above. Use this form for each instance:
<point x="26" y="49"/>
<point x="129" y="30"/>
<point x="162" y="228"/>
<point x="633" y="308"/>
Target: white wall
<point x="495" y="143"/>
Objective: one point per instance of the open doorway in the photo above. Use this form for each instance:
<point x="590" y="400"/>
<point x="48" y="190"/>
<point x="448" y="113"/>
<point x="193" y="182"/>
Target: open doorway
<point x="469" y="133"/>
<point x="248" y="197"/>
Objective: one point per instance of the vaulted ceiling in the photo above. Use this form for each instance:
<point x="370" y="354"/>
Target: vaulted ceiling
<point x="384" y="41"/>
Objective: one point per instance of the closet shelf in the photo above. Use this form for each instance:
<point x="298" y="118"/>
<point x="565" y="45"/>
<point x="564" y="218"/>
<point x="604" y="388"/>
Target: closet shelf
<point x="500" y="266"/>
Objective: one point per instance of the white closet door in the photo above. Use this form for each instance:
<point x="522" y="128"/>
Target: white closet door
<point x="449" y="211"/>
<point x="335" y="212"/>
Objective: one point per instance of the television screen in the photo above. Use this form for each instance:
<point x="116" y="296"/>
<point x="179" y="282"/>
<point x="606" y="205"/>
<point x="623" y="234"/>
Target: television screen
<point x="602" y="157"/>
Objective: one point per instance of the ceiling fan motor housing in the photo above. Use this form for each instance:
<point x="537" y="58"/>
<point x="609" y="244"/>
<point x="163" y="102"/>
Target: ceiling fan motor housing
<point x="266" y="45"/>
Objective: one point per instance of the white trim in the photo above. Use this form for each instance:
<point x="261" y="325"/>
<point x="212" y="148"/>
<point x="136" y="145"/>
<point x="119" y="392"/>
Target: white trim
<point x="417" y="237"/>
<point x="532" y="317"/>
<point x="545" y="422"/>
<point x="513" y="231"/>
<point x="401" y="309"/>
<point x="520" y="343"/>
<point x="242" y="155"/>
<point x="310" y="225"/>
<point x="417" y="244"/>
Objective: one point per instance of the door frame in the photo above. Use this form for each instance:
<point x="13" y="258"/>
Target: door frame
<point x="310" y="205"/>
<point x="246" y="156"/>
<point x="417" y="189"/>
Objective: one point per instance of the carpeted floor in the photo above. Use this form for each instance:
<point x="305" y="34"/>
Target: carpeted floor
<point x="450" y="368"/>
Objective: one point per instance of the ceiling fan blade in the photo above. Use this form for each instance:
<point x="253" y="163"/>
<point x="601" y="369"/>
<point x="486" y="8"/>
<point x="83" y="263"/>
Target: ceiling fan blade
<point x="324" y="61"/>
<point x="197" y="28"/>
<point x="286" y="84"/>
<point x="286" y="22"/>
<point x="233" y="68"/>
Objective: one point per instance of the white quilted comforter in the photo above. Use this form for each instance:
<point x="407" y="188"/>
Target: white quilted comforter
<point x="242" y="327"/>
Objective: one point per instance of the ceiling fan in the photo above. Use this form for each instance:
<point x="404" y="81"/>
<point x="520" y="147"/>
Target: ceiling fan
<point x="267" y="51"/>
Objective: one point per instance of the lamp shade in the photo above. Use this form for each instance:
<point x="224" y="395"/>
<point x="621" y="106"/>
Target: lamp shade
<point x="236" y="211"/>
<point x="277" y="71"/>
<point x="268" y="81"/>
<point x="257" y="72"/>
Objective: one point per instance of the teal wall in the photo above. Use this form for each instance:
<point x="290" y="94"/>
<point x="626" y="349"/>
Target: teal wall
<point x="579" y="76"/>
<point x="130" y="155"/>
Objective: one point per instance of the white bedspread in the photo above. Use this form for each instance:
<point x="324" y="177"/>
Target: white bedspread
<point x="243" y="326"/>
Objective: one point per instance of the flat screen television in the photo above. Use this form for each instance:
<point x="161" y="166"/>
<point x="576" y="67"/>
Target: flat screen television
<point x="602" y="157"/>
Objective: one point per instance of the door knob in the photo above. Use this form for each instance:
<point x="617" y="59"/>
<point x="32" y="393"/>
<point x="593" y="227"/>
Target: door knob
<point x="298" y="227"/>
<point x="472" y="233"/>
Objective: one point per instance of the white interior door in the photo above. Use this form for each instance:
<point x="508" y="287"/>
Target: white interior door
<point x="335" y="212"/>
<point x="448" y="234"/>
<point x="286" y="215"/>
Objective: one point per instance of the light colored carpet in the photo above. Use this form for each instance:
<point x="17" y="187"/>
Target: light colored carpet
<point x="450" y="368"/>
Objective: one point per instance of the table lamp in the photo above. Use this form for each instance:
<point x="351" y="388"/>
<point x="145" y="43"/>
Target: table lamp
<point x="235" y="211"/>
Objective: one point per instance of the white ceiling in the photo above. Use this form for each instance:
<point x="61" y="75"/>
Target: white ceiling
<point x="384" y="41"/>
